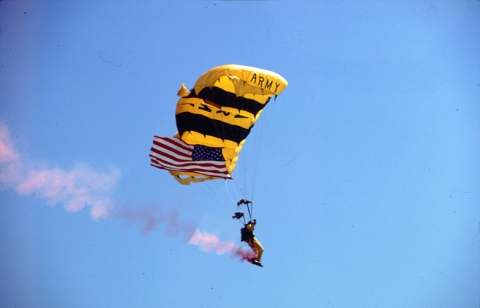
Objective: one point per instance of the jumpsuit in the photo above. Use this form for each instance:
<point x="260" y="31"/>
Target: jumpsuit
<point x="254" y="243"/>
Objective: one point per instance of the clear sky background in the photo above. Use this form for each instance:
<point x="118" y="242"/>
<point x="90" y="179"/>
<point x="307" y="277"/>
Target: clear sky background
<point x="365" y="172"/>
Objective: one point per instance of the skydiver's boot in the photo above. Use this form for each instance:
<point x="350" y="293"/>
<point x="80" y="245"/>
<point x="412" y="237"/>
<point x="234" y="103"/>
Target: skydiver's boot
<point x="256" y="262"/>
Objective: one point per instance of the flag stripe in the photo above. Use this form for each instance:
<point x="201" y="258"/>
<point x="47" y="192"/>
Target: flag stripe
<point x="214" y="174"/>
<point x="174" y="144"/>
<point x="190" y="168"/>
<point x="218" y="172"/>
<point x="184" y="166"/>
<point x="175" y="155"/>
<point x="168" y="156"/>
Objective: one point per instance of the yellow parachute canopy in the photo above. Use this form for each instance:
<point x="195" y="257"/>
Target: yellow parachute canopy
<point x="213" y="120"/>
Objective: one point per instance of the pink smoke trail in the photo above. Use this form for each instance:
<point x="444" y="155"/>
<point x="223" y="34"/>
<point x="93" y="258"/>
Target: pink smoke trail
<point x="76" y="188"/>
<point x="151" y="217"/>
<point x="7" y="153"/>
<point x="83" y="187"/>
<point x="209" y="242"/>
<point x="155" y="215"/>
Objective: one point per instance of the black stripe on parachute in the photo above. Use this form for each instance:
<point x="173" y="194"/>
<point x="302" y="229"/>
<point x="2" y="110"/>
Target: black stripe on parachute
<point x="195" y="122"/>
<point x="223" y="98"/>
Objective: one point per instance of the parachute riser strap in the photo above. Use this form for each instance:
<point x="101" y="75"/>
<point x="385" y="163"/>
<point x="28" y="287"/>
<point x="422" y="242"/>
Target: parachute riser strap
<point x="250" y="211"/>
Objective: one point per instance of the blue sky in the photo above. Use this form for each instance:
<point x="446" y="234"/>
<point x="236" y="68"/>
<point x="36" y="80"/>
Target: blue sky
<point x="364" y="172"/>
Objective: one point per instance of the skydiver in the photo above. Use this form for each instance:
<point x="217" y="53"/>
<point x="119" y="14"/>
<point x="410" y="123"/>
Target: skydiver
<point x="249" y="237"/>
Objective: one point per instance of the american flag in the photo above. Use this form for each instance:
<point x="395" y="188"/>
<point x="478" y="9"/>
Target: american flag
<point x="175" y="155"/>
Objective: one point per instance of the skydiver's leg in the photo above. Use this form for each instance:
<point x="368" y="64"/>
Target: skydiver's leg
<point x="258" y="248"/>
<point x="254" y="249"/>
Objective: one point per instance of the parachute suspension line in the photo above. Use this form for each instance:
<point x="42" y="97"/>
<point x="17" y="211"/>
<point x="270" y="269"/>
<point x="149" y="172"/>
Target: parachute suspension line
<point x="249" y="213"/>
<point x="244" y="194"/>
<point x="216" y="194"/>
<point x="254" y="151"/>
<point x="250" y="210"/>
<point x="232" y="200"/>
<point x="236" y="184"/>
<point x="259" y="146"/>
<point x="236" y="188"/>
<point x="209" y="192"/>
<point x="227" y="192"/>
<point x="213" y="189"/>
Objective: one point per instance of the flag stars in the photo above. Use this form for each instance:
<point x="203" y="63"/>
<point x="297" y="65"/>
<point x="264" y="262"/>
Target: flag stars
<point x="201" y="152"/>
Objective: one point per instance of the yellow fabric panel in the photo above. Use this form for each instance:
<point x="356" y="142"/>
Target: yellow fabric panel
<point x="206" y="140"/>
<point x="262" y="99"/>
<point x="231" y="84"/>
<point x="229" y="153"/>
<point x="183" y="91"/>
<point x="245" y="79"/>
<point x="188" y="180"/>
<point x="257" y="116"/>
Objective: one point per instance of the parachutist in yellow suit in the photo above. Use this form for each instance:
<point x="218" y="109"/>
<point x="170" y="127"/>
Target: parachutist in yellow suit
<point x="254" y="243"/>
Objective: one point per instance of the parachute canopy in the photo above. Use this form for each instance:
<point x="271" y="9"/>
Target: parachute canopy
<point x="213" y="120"/>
